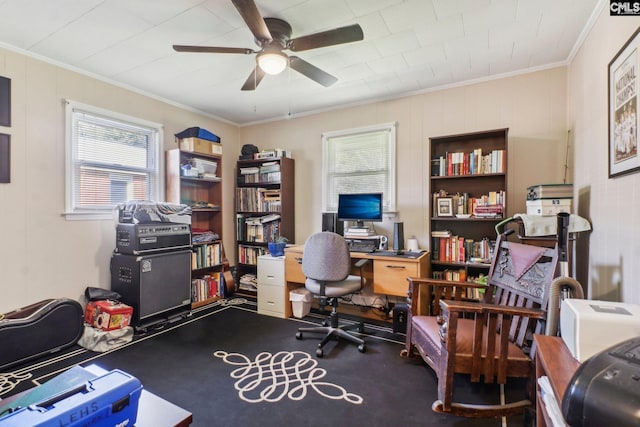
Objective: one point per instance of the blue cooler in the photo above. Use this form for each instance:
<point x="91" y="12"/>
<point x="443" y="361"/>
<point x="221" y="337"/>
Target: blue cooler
<point x="108" y="400"/>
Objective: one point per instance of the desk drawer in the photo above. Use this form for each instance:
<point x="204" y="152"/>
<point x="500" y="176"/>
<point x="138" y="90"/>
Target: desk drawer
<point x="270" y="270"/>
<point x="390" y="276"/>
<point x="293" y="268"/>
<point x="271" y="300"/>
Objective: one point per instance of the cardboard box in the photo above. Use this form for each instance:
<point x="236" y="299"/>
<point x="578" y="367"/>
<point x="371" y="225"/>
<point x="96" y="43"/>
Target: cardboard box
<point x="202" y="146"/>
<point x="548" y="206"/>
<point x="108" y="315"/>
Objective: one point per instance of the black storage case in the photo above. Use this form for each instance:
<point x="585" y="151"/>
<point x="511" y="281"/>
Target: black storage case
<point x="39" y="329"/>
<point x="155" y="285"/>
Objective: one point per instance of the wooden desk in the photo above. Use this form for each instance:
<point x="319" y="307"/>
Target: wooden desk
<point x="554" y="360"/>
<point x="388" y="274"/>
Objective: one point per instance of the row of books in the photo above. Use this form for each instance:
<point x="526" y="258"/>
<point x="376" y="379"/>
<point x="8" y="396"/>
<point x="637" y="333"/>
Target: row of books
<point x="262" y="229"/>
<point x="487" y="205"/>
<point x="249" y="254"/>
<point x="267" y="172"/>
<point x="207" y="287"/>
<point x="204" y="256"/>
<point x="461" y="276"/>
<point x="473" y="163"/>
<point x="446" y="247"/>
<point x="258" y="200"/>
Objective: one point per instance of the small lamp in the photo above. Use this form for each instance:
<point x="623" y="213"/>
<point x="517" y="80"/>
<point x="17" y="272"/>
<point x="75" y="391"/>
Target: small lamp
<point x="272" y="62"/>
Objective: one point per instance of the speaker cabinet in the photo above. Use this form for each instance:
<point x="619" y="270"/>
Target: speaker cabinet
<point x="398" y="237"/>
<point x="400" y="314"/>
<point x="331" y="223"/>
<point x="153" y="284"/>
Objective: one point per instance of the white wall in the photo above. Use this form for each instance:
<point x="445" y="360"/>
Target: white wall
<point x="613" y="205"/>
<point x="42" y="255"/>
<point x="532" y="106"/>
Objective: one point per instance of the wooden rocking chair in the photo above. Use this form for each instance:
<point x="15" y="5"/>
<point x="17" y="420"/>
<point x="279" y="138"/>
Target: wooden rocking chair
<point x="489" y="339"/>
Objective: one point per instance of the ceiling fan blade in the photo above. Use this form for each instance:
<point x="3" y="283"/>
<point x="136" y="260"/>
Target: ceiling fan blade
<point x="252" y="17"/>
<point x="351" y="33"/>
<point x="211" y="49"/>
<point x="311" y="71"/>
<point x="254" y="79"/>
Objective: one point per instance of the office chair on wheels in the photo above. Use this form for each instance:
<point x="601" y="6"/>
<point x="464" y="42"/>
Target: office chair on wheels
<point x="327" y="263"/>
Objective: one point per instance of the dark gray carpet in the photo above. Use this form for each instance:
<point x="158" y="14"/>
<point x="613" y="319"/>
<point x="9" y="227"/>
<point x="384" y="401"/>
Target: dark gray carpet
<point x="179" y="365"/>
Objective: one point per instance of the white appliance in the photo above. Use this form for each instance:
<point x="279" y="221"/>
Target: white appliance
<point x="591" y="326"/>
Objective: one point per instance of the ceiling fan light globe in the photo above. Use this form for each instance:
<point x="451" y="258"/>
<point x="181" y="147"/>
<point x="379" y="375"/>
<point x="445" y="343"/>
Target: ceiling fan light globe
<point x="272" y="62"/>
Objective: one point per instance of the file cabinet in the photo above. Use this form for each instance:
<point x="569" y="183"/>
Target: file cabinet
<point x="272" y="293"/>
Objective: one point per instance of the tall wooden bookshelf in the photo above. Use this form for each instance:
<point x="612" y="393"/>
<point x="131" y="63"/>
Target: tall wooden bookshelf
<point x="204" y="195"/>
<point x="468" y="185"/>
<point x="265" y="210"/>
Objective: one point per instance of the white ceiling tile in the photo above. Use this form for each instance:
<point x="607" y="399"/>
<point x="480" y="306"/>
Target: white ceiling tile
<point x="409" y="13"/>
<point x="441" y="31"/>
<point x="365" y="7"/>
<point x="425" y="55"/>
<point x="397" y="43"/>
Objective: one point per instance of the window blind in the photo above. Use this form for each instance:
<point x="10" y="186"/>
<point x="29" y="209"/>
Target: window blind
<point x="360" y="162"/>
<point x="113" y="161"/>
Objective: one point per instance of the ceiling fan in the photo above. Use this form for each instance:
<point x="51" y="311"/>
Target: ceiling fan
<point x="273" y="36"/>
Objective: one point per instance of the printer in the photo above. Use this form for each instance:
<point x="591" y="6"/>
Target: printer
<point x="605" y="389"/>
<point x="590" y="326"/>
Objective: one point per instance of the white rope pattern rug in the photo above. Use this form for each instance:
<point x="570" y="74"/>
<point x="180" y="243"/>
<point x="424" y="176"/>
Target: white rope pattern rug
<point x="286" y="374"/>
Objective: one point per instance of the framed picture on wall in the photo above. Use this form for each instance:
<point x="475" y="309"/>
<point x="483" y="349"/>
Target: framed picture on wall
<point x="623" y="108"/>
<point x="5" y="101"/>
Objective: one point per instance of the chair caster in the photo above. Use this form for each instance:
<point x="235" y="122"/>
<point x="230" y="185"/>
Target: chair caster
<point x="404" y="353"/>
<point x="361" y="328"/>
<point x="319" y="353"/>
<point x="298" y="335"/>
<point x="362" y="348"/>
<point x="325" y="323"/>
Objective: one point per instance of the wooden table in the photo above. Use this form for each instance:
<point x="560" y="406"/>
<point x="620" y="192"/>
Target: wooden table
<point x="554" y="360"/>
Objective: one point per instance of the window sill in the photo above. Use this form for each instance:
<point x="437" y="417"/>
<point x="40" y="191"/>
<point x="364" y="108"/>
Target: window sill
<point x="88" y="216"/>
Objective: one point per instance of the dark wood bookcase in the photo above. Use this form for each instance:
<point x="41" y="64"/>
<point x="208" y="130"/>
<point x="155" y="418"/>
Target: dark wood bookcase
<point x="265" y="188"/>
<point x="462" y="177"/>
<point x="204" y="195"/>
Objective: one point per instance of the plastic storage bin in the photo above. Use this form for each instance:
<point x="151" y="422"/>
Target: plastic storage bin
<point x="300" y="302"/>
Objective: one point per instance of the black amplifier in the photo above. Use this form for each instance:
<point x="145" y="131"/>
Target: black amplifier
<point x="139" y="239"/>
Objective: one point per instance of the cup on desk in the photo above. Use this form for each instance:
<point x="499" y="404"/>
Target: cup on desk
<point x="412" y="245"/>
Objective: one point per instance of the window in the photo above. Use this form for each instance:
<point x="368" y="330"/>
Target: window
<point x="110" y="158"/>
<point x="359" y="161"/>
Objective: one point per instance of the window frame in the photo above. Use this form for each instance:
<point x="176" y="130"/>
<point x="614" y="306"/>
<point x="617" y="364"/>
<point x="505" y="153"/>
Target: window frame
<point x="391" y="208"/>
<point x="72" y="211"/>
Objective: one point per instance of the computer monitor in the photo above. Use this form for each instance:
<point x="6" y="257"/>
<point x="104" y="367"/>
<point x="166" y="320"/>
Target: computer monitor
<point x="360" y="207"/>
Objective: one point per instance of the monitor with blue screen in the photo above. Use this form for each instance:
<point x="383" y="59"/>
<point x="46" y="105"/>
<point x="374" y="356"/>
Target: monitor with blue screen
<point x="360" y="207"/>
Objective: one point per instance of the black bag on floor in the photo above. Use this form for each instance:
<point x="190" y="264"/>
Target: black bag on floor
<point x="45" y="327"/>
